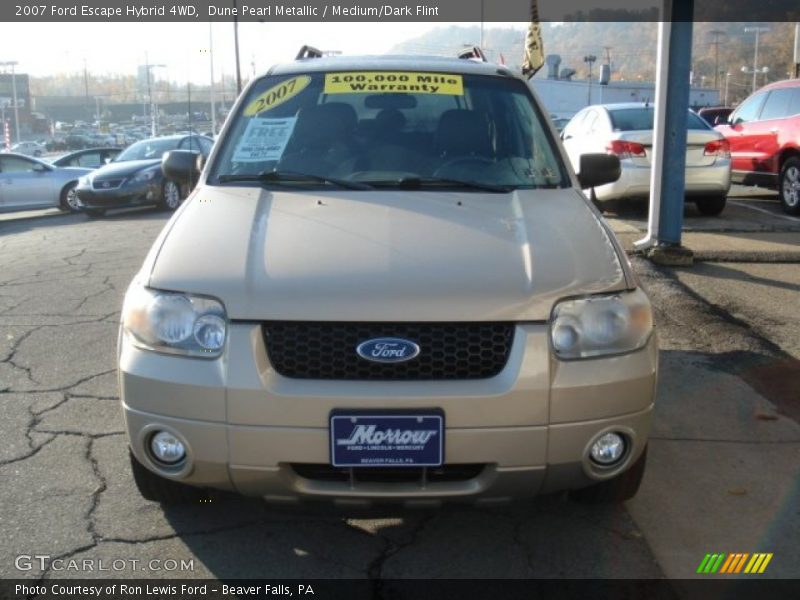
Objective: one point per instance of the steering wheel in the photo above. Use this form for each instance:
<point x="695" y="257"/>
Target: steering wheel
<point x="464" y="161"/>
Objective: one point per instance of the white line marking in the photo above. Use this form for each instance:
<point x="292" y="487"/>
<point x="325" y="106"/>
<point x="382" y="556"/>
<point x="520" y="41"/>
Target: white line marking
<point x="766" y="212"/>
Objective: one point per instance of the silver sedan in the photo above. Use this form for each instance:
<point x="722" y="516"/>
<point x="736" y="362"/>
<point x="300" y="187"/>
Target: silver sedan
<point x="627" y="131"/>
<point x="27" y="183"/>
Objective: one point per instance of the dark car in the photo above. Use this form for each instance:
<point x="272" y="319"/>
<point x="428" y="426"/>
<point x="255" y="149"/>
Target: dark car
<point x="77" y="142"/>
<point x="714" y="115"/>
<point x="764" y="135"/>
<point x="93" y="158"/>
<point x="134" y="178"/>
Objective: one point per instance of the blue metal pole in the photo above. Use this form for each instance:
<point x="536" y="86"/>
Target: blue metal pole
<point x="674" y="178"/>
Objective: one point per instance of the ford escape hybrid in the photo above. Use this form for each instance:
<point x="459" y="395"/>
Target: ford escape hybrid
<point x="387" y="285"/>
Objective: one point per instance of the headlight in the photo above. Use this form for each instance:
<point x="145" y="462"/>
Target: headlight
<point x="174" y="323"/>
<point x="143" y="176"/>
<point x="601" y="325"/>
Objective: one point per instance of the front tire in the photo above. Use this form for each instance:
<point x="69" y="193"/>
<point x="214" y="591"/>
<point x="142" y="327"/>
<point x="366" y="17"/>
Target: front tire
<point x="69" y="198"/>
<point x="165" y="491"/>
<point x="170" y="195"/>
<point x="789" y="186"/>
<point x="711" y="207"/>
<point x="619" y="489"/>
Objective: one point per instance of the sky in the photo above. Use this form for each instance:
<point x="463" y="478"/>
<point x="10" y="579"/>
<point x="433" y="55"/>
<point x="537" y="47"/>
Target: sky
<point x="183" y="47"/>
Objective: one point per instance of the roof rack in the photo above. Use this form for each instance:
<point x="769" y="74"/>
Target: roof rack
<point x="308" y="52"/>
<point x="472" y="53"/>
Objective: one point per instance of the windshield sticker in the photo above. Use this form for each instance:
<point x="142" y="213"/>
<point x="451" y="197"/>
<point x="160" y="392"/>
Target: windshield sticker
<point x="367" y="82"/>
<point x="277" y="95"/>
<point x="264" y="139"/>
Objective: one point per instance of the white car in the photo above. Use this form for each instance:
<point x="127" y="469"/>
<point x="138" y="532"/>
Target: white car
<point x="28" y="148"/>
<point x="626" y="130"/>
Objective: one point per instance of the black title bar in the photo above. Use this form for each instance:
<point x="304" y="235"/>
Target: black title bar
<point x="392" y="10"/>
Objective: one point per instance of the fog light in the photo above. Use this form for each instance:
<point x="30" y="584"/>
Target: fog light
<point x="608" y="449"/>
<point x="167" y="448"/>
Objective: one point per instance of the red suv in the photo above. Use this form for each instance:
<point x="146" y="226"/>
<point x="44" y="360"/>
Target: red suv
<point x="764" y="135"/>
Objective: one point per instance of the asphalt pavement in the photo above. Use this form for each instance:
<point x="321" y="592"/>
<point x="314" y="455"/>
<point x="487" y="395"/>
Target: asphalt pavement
<point x="724" y="460"/>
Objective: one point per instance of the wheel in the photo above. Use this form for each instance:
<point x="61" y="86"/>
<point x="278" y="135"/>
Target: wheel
<point x="711" y="207"/>
<point x="789" y="186"/>
<point x="622" y="487"/>
<point x="158" y="489"/>
<point x="170" y="195"/>
<point x="69" y="198"/>
<point x="95" y="213"/>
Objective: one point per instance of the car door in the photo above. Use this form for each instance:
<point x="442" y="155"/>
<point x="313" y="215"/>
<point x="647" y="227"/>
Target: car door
<point x="772" y="130"/>
<point x="740" y="131"/>
<point x="26" y="183"/>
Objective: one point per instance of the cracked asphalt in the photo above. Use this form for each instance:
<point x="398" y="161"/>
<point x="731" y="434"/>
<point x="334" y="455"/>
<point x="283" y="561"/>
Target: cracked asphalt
<point x="723" y="473"/>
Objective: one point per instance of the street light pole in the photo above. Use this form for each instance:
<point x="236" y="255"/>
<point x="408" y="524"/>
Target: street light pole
<point x="590" y="58"/>
<point x="236" y="48"/>
<point x="758" y="31"/>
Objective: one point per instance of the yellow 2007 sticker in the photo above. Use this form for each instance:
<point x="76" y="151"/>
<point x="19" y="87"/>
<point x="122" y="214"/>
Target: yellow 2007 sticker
<point x="367" y="82"/>
<point x="277" y="94"/>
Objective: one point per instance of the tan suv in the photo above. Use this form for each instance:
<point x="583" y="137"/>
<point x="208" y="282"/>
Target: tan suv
<point x="387" y="286"/>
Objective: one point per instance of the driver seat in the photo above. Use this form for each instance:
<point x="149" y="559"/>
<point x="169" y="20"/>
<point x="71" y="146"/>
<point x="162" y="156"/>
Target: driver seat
<point x="462" y="133"/>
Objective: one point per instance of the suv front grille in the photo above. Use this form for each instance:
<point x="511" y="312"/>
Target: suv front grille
<point x="316" y="350"/>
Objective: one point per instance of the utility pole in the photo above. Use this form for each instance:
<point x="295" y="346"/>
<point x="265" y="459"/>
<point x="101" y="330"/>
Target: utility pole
<point x="86" y="85"/>
<point x="211" y="65"/>
<point x="716" y="33"/>
<point x="797" y="50"/>
<point x="727" y="84"/>
<point x="12" y="64"/>
<point x="758" y="31"/>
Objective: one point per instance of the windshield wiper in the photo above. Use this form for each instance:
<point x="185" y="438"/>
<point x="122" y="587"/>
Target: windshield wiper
<point x="414" y="183"/>
<point x="292" y="177"/>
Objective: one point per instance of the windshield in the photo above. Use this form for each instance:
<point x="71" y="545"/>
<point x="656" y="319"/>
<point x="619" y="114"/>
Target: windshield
<point x="383" y="128"/>
<point x="148" y="149"/>
<point x="641" y="119"/>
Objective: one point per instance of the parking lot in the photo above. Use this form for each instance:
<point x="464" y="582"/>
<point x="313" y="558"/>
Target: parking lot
<point x="724" y="458"/>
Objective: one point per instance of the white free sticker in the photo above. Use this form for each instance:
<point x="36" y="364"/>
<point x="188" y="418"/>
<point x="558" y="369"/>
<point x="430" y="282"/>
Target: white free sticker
<point x="264" y="139"/>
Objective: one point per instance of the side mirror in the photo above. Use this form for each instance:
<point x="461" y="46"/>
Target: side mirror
<point x="183" y="166"/>
<point x="598" y="169"/>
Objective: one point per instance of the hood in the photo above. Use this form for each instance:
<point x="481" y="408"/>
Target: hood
<point x="386" y="256"/>
<point x="123" y="169"/>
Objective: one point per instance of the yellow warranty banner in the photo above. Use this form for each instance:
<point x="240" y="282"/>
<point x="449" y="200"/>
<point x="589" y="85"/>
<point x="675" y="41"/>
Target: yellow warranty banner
<point x="369" y="82"/>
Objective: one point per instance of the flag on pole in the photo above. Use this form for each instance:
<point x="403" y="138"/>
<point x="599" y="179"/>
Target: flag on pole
<point x="534" y="48"/>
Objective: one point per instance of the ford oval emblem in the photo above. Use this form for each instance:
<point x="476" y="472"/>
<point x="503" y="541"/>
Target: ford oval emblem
<point x="387" y="350"/>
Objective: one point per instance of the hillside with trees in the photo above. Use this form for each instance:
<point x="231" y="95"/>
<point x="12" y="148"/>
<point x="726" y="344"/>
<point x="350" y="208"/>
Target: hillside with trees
<point x="631" y="48"/>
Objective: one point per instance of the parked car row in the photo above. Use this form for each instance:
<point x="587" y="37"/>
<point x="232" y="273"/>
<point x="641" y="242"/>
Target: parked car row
<point x="96" y="179"/>
<point x="758" y="143"/>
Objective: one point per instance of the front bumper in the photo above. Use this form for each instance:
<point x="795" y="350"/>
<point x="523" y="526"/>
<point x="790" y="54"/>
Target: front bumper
<point x="247" y="429"/>
<point x="634" y="182"/>
<point x="127" y="195"/>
